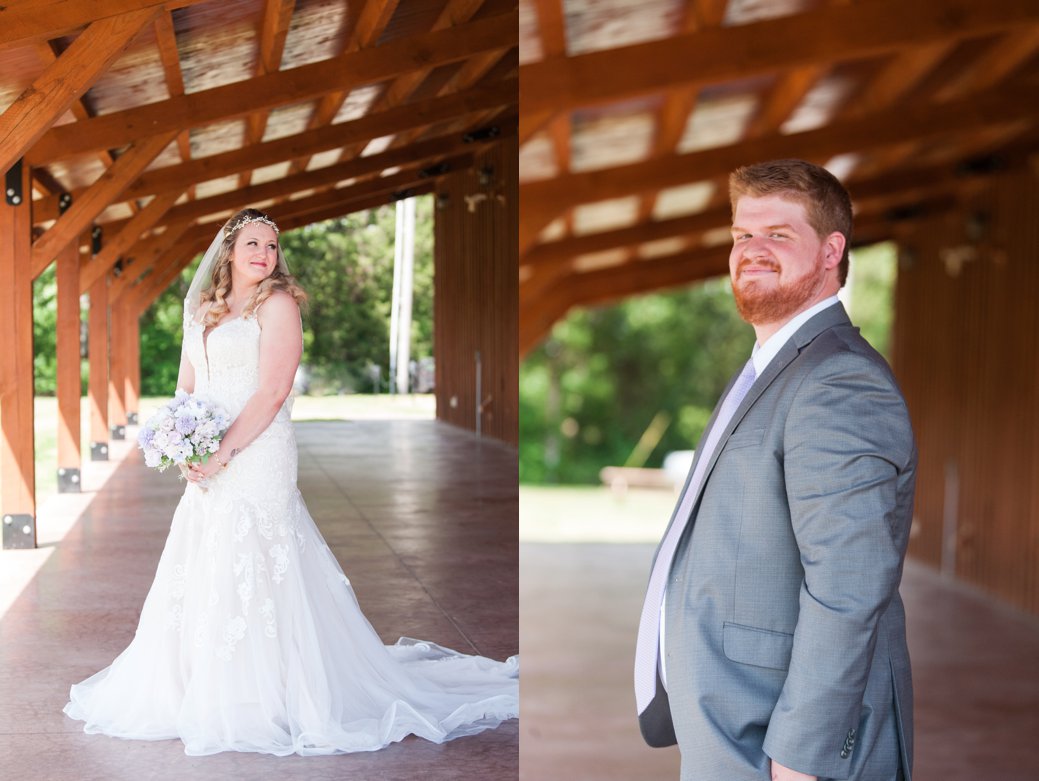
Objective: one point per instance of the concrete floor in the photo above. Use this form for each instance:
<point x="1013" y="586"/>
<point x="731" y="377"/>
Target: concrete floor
<point x="975" y="669"/>
<point x="422" y="517"/>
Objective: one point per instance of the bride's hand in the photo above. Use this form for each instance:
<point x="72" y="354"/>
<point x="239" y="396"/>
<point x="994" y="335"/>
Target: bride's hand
<point x="199" y="473"/>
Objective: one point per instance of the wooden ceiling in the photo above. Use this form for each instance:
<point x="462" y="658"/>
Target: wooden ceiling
<point x="160" y="119"/>
<point x="633" y="112"/>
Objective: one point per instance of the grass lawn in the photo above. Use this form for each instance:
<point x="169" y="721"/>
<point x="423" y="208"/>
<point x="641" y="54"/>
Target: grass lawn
<point x="352" y="407"/>
<point x="593" y="514"/>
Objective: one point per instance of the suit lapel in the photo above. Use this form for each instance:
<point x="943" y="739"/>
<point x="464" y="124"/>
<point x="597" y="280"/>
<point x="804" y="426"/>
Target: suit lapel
<point x="828" y="318"/>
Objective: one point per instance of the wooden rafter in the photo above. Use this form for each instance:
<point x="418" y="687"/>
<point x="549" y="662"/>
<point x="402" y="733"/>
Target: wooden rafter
<point x="178" y="177"/>
<point x="276" y="89"/>
<point x="368" y="26"/>
<point x="166" y="41"/>
<point x="274" y="28"/>
<point x="456" y="12"/>
<point x="49" y="19"/>
<point x="681" y="101"/>
<point x="60" y="85"/>
<point x="544" y="200"/>
<point x="87" y="207"/>
<point x="836" y="33"/>
<point x="127" y="236"/>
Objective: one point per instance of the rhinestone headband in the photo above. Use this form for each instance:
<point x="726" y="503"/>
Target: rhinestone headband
<point x="246" y="220"/>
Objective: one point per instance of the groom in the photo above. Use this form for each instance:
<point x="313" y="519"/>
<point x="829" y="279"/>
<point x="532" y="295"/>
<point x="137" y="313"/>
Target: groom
<point x="772" y="643"/>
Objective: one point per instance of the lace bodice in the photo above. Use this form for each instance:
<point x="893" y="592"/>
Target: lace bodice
<point x="227" y="362"/>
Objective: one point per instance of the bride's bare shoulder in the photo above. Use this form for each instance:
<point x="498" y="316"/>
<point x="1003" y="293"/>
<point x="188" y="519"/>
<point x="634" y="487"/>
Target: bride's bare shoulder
<point x="281" y="307"/>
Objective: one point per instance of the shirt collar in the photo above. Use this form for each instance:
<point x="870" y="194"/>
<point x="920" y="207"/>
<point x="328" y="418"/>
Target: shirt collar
<point x="763" y="354"/>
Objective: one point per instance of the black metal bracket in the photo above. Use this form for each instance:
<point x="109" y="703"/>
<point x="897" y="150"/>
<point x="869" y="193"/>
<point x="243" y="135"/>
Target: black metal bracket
<point x="98" y="451"/>
<point x="13" y="185"/>
<point x="95" y="239"/>
<point x="64" y="202"/>
<point x="131" y="418"/>
<point x="19" y="531"/>
<point x="400" y="195"/>
<point x="118" y="432"/>
<point x="483" y="134"/>
<point x="68" y="481"/>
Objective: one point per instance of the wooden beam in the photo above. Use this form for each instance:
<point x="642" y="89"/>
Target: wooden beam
<point x="49" y="53"/>
<point x="146" y="254"/>
<point x="97" y="385"/>
<point x="544" y="200"/>
<point x="455" y="13"/>
<point x="898" y="77"/>
<point x="127" y="236"/>
<point x="166" y="41"/>
<point x="368" y="26"/>
<point x="67" y="333"/>
<point x="1000" y="60"/>
<point x="49" y="19"/>
<point x="451" y="148"/>
<point x="17" y="452"/>
<point x="117" y="372"/>
<point x="565" y="250"/>
<point x="824" y="35"/>
<point x="61" y="84"/>
<point x="277" y="89"/>
<point x="371" y="126"/>
<point x="274" y="27"/>
<point x="96" y="199"/>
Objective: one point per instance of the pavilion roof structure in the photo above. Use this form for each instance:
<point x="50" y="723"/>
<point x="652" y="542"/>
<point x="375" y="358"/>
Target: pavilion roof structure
<point x="148" y="123"/>
<point x="635" y="111"/>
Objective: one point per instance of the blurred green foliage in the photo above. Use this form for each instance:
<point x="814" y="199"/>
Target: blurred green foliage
<point x="589" y="392"/>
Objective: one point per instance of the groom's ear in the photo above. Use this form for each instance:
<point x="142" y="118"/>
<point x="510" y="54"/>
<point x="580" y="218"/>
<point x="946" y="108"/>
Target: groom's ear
<point x="833" y="250"/>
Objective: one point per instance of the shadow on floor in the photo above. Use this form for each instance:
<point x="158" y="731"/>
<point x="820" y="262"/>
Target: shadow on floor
<point x="421" y="515"/>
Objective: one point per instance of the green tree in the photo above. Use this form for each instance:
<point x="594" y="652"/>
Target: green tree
<point x="591" y="390"/>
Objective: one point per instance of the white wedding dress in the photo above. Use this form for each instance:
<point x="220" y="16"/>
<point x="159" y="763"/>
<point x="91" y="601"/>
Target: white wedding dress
<point x="251" y="639"/>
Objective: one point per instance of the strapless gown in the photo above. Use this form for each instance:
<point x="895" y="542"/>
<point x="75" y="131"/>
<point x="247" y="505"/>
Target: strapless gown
<point x="251" y="638"/>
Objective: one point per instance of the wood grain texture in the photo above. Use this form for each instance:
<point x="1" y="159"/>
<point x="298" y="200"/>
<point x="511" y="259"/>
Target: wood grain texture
<point x="355" y="69"/>
<point x="966" y="353"/>
<point x="17" y="454"/>
<point x="61" y="84"/>
<point x="476" y="303"/>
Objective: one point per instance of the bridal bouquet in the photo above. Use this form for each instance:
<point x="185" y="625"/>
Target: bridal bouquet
<point x="185" y="430"/>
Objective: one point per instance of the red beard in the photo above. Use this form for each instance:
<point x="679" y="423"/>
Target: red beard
<point x="763" y="304"/>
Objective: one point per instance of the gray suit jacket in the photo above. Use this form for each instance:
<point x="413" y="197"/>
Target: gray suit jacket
<point x="785" y="632"/>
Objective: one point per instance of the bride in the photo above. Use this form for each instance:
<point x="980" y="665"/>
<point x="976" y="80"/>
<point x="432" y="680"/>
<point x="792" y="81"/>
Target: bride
<point x="250" y="638"/>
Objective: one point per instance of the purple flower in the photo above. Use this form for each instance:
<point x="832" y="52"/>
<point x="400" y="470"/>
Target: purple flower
<point x="186" y="423"/>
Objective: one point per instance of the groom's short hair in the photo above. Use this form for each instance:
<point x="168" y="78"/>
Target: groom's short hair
<point x="827" y="204"/>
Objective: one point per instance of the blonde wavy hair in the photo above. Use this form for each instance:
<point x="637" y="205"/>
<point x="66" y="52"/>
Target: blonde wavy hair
<point x="219" y="288"/>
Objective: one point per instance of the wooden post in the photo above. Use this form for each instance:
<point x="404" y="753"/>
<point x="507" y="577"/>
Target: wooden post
<point x="117" y="372"/>
<point x="133" y="367"/>
<point x="97" y="346"/>
<point x="69" y="457"/>
<point x="17" y="467"/>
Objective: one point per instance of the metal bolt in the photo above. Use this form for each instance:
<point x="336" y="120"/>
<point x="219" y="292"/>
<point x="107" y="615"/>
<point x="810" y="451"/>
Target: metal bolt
<point x="15" y="200"/>
<point x="75" y="478"/>
<point x="61" y="473"/>
<point x="26" y="529"/>
<point x="10" y="191"/>
<point x="8" y="520"/>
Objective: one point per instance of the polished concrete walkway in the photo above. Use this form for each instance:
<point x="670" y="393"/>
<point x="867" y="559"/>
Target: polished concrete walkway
<point x="975" y="667"/>
<point x="422" y="517"/>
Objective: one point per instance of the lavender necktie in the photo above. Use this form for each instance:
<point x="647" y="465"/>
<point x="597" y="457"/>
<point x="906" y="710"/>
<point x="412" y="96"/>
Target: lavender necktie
<point x="647" y="649"/>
